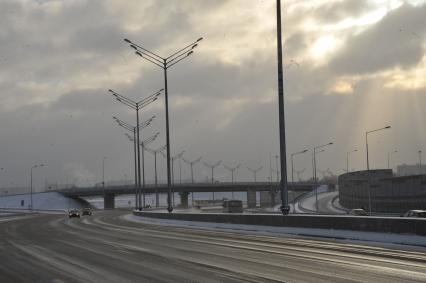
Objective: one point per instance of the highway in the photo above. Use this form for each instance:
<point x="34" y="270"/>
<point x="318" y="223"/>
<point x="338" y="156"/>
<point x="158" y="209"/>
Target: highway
<point x="107" y="248"/>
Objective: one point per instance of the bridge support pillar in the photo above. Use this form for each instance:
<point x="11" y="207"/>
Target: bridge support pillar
<point x="184" y="199"/>
<point x="251" y="198"/>
<point x="109" y="201"/>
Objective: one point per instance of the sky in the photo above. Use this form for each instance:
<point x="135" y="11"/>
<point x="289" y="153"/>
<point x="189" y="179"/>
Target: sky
<point x="350" y="66"/>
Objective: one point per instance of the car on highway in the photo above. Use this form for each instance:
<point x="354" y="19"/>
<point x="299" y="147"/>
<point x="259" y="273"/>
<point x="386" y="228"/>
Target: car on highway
<point x="74" y="213"/>
<point x="358" y="212"/>
<point x="86" y="211"/>
<point x="415" y="213"/>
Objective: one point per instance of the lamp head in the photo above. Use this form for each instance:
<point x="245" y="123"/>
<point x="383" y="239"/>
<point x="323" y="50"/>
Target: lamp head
<point x="138" y="53"/>
<point x="198" y="40"/>
<point x="127" y="40"/>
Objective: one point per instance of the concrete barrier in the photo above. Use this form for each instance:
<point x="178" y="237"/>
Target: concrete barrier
<point x="396" y="225"/>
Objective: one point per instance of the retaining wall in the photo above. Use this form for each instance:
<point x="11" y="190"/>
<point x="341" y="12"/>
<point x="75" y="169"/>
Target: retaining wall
<point x="396" y="225"/>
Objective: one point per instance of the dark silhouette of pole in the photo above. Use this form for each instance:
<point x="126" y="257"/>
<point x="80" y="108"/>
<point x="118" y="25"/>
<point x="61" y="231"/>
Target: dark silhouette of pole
<point x="31" y="182"/>
<point x="212" y="166"/>
<point x="137" y="106"/>
<point x="347" y="159"/>
<point x="254" y="171"/>
<point x="154" y="152"/>
<point x="133" y="129"/>
<point x="191" y="165"/>
<point x="420" y="162"/>
<point x="276" y="164"/>
<point x="368" y="165"/>
<point x="315" y="174"/>
<point x="165" y="63"/>
<point x="283" y="184"/>
<point x="232" y="169"/>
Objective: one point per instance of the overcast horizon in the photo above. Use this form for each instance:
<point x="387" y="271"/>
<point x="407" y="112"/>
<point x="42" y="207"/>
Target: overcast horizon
<point x="349" y="67"/>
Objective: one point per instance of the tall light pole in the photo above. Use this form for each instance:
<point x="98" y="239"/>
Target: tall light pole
<point x="31" y="182"/>
<point x="191" y="165"/>
<point x="212" y="166"/>
<point x="347" y="159"/>
<point x="254" y="171"/>
<point x="133" y="139"/>
<point x="283" y="184"/>
<point x="278" y="170"/>
<point x="292" y="160"/>
<point x="143" y="145"/>
<point x="137" y="106"/>
<point x="368" y="164"/>
<point x="420" y="162"/>
<point x="165" y="63"/>
<point x="232" y="169"/>
<point x="154" y="152"/>
<point x="315" y="172"/>
<point x="389" y="156"/>
<point x="103" y="174"/>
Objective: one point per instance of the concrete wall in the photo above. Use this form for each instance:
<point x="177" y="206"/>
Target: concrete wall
<point x="367" y="224"/>
<point x="388" y="193"/>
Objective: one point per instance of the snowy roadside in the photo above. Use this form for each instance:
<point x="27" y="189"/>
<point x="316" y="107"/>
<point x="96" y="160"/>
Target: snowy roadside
<point x="408" y="242"/>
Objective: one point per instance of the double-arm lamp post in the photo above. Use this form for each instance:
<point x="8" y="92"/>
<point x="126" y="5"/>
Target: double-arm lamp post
<point x="368" y="164"/>
<point x="254" y="171"/>
<point x="389" y="157"/>
<point x="133" y="139"/>
<point x="165" y="63"/>
<point x="212" y="166"/>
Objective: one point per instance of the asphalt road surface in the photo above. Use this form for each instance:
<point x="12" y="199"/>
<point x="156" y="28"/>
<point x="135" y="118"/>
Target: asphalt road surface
<point x="107" y="248"/>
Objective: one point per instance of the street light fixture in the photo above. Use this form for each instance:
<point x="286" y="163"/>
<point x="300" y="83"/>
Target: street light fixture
<point x="232" y="169"/>
<point x="389" y="156"/>
<point x="212" y="166"/>
<point x="165" y="64"/>
<point x="315" y="171"/>
<point x="137" y="106"/>
<point x="31" y="182"/>
<point x="292" y="167"/>
<point x="254" y="171"/>
<point x="368" y="164"/>
<point x="154" y="152"/>
<point x="347" y="159"/>
<point x="143" y="145"/>
<point x="133" y="129"/>
<point x="191" y="164"/>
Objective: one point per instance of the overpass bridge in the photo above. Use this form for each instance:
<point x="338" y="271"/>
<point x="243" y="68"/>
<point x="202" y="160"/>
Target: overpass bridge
<point x="109" y="192"/>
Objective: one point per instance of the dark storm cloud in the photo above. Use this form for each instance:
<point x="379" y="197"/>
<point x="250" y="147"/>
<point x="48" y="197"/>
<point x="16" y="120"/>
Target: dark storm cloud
<point x="395" y="41"/>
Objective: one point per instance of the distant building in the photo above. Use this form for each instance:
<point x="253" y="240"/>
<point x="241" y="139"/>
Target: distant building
<point x="406" y="170"/>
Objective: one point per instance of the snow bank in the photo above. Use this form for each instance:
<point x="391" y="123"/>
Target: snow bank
<point x="41" y="201"/>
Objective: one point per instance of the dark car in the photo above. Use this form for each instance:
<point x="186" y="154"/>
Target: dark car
<point x="415" y="213"/>
<point x="74" y="213"/>
<point x="86" y="211"/>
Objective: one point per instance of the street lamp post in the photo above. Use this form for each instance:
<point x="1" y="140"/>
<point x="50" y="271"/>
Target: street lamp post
<point x="212" y="166"/>
<point x="315" y="172"/>
<point x="191" y="164"/>
<point x="103" y="174"/>
<point x="254" y="171"/>
<point x="368" y="164"/>
<point x="232" y="169"/>
<point x="133" y="139"/>
<point x="165" y="64"/>
<point x="154" y="152"/>
<point x="347" y="159"/>
<point x="137" y="106"/>
<point x="283" y="184"/>
<point x="31" y="182"/>
<point x="389" y="156"/>
<point x="420" y="162"/>
<point x="292" y="166"/>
